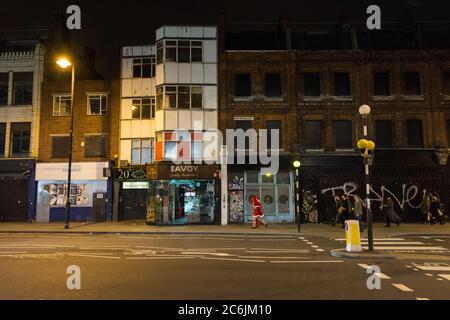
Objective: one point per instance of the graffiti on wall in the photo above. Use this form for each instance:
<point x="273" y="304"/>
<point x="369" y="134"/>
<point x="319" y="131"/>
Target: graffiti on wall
<point x="410" y="196"/>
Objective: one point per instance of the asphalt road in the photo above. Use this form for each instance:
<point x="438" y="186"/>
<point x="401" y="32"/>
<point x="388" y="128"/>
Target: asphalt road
<point x="229" y="267"/>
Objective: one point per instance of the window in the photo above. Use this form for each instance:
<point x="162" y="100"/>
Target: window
<point x="181" y="97"/>
<point x="244" y="125"/>
<point x="445" y="83"/>
<point x="2" y="139"/>
<point x="412" y="84"/>
<point x="342" y="84"/>
<point x="62" y="105"/>
<point x="381" y="84"/>
<point x="144" y="67"/>
<point x="312" y="134"/>
<point x="159" y="52"/>
<point x="183" y="145"/>
<point x="142" y="151"/>
<point x="20" y="139"/>
<point x="311" y="84"/>
<point x="414" y="133"/>
<point x="448" y="134"/>
<point x="143" y="108"/>
<point x="273" y="85"/>
<point x="60" y="146"/>
<point x="242" y="85"/>
<point x="95" y="145"/>
<point x="97" y="104"/>
<point x="171" y="51"/>
<point x="383" y="133"/>
<point x="23" y="88"/>
<point x="273" y="125"/>
<point x="196" y="51"/>
<point x="343" y="134"/>
<point x="4" y="84"/>
<point x="184" y="51"/>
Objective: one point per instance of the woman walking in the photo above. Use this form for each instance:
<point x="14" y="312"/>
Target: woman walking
<point x="389" y="213"/>
<point x="358" y="211"/>
<point x="257" y="213"/>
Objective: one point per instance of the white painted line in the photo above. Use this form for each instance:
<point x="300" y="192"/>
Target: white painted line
<point x="92" y="256"/>
<point x="236" y="260"/>
<point x="376" y="239"/>
<point x="445" y="276"/>
<point x="159" y="258"/>
<point x="271" y="257"/>
<point x="422" y="299"/>
<point x="279" y="249"/>
<point x="282" y="251"/>
<point x="414" y="269"/>
<point x="318" y="261"/>
<point x="206" y="253"/>
<point x="13" y="252"/>
<point x="393" y="243"/>
<point x="314" y="246"/>
<point x="439" y="279"/>
<point x="320" y="250"/>
<point x="379" y="274"/>
<point x="225" y="239"/>
<point x="408" y="267"/>
<point x="433" y="268"/>
<point x="428" y="274"/>
<point x="271" y="240"/>
<point x="310" y="243"/>
<point x="439" y="240"/>
<point x="51" y="246"/>
<point x="409" y="248"/>
<point x="301" y="238"/>
<point x="402" y="287"/>
<point x="425" y="237"/>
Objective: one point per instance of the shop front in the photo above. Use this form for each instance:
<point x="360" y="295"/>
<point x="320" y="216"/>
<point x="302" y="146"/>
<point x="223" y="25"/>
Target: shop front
<point x="88" y="191"/>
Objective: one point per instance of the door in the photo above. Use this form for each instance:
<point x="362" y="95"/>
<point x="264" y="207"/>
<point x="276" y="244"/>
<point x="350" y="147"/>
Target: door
<point x="14" y="200"/>
<point x="99" y="207"/>
<point x="134" y="204"/>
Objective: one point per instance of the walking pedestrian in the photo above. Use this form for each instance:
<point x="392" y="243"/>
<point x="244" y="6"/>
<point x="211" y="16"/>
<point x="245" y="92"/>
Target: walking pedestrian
<point x="258" y="213"/>
<point x="389" y="212"/>
<point x="358" y="211"/>
<point x="338" y="205"/>
<point x="436" y="212"/>
<point x="344" y="209"/>
<point x="425" y="208"/>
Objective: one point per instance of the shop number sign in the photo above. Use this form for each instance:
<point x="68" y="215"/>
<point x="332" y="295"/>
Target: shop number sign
<point x="125" y="174"/>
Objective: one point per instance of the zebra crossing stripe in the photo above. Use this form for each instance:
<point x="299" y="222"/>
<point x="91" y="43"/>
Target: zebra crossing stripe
<point x="445" y="276"/>
<point x="410" y="248"/>
<point x="433" y="268"/>
<point x="402" y="287"/>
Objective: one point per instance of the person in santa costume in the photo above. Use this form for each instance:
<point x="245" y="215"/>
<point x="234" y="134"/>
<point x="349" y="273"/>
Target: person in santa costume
<point x="258" y="213"/>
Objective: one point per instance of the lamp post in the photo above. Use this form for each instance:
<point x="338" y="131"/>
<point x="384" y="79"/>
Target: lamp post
<point x="367" y="146"/>
<point x="64" y="63"/>
<point x="296" y="164"/>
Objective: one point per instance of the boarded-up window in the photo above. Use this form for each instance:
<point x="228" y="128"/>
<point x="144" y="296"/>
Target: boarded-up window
<point x="383" y="133"/>
<point x="342" y="84"/>
<point x="60" y="147"/>
<point x="23" y="88"/>
<point x="312" y="134"/>
<point x="343" y="134"/>
<point x="412" y="83"/>
<point x="414" y="133"/>
<point x="242" y="85"/>
<point x="95" y="146"/>
<point x="381" y="84"/>
<point x="4" y="88"/>
<point x="311" y="84"/>
<point x="244" y="125"/>
<point x="273" y="85"/>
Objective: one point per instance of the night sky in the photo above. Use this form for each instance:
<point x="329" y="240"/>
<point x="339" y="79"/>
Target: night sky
<point x="108" y="25"/>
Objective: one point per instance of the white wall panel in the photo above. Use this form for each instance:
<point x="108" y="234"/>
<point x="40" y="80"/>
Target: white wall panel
<point x="148" y="86"/>
<point x="127" y="68"/>
<point x="137" y="51"/>
<point x="148" y="50"/>
<point x="159" y="33"/>
<point x="184" y="32"/>
<point x="145" y="128"/>
<point x="159" y="120"/>
<point x="197" y="119"/>
<point x="197" y="72"/>
<point x="125" y="150"/>
<point x="125" y="112"/>
<point x="210" y="120"/>
<point x="126" y="88"/>
<point x="210" y="73"/>
<point x="170" y="32"/>
<point x="152" y="128"/>
<point x="159" y="74"/>
<point x="184" y="72"/>
<point x="136" y="128"/>
<point x="127" y="51"/>
<point x="210" y="32"/>
<point x="210" y="97"/>
<point x="137" y="87"/>
<point x="125" y="129"/>
<point x="184" y="119"/>
<point x="210" y="51"/>
<point x="171" y="120"/>
<point x="196" y="32"/>
<point x="170" y="72"/>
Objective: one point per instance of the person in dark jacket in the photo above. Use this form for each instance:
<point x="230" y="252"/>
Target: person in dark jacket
<point x="389" y="212"/>
<point x="436" y="209"/>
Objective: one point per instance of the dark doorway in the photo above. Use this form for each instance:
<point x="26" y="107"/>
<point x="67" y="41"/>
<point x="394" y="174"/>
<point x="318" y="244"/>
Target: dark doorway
<point x="14" y="200"/>
<point x="99" y="207"/>
<point x="134" y="204"/>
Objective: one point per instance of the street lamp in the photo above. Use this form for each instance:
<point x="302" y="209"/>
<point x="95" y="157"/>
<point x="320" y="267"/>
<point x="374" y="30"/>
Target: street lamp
<point x="296" y="164"/>
<point x="64" y="63"/>
<point x="366" y="146"/>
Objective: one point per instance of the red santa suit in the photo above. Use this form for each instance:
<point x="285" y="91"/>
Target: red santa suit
<point x="257" y="208"/>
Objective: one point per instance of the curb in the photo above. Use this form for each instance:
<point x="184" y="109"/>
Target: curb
<point x="341" y="253"/>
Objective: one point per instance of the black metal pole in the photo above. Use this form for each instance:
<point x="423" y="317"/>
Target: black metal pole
<point x="69" y="171"/>
<point x="297" y="200"/>
<point x="367" y="175"/>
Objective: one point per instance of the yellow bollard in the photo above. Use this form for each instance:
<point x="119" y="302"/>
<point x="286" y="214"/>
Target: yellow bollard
<point x="352" y="236"/>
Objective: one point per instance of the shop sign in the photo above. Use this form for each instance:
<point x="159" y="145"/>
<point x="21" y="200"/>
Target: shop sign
<point x="135" y="185"/>
<point x="130" y="173"/>
<point x="187" y="170"/>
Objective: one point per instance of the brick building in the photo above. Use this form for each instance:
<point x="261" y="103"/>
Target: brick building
<point x="308" y="81"/>
<point x="95" y="144"/>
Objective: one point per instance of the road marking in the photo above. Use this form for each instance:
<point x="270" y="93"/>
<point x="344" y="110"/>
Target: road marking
<point x="428" y="274"/>
<point x="439" y="240"/>
<point x="301" y="238"/>
<point x="236" y="260"/>
<point x="51" y="246"/>
<point x="410" y="248"/>
<point x="206" y="253"/>
<point x="425" y="237"/>
<point x="402" y="287"/>
<point x="376" y="239"/>
<point x="225" y="239"/>
<point x="262" y="240"/>
<point x="445" y="276"/>
<point x="314" y="246"/>
<point x="433" y="268"/>
<point x="317" y="261"/>
<point x="393" y="243"/>
<point x="310" y="243"/>
<point x="281" y="251"/>
<point x="422" y="299"/>
<point x="271" y="257"/>
<point x="159" y="258"/>
<point x="92" y="256"/>
<point x="320" y="250"/>
<point x="378" y="274"/>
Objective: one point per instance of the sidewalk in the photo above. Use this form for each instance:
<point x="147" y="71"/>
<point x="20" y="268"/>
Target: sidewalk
<point x="139" y="227"/>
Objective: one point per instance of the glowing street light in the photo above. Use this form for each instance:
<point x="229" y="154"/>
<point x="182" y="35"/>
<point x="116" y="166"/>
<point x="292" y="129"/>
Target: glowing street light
<point x="296" y="164"/>
<point x="63" y="62"/>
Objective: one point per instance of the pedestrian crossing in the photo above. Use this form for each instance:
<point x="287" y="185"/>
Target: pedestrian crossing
<point x="439" y="270"/>
<point x="401" y="245"/>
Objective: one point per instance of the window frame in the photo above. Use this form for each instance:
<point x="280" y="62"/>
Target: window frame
<point x="99" y="154"/>
<point x="59" y="97"/>
<point x="151" y="104"/>
<point x="12" y="140"/>
<point x="14" y="93"/>
<point x="140" y="150"/>
<point x="280" y="85"/>
<point x="5" y="85"/>
<point x="100" y="95"/>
